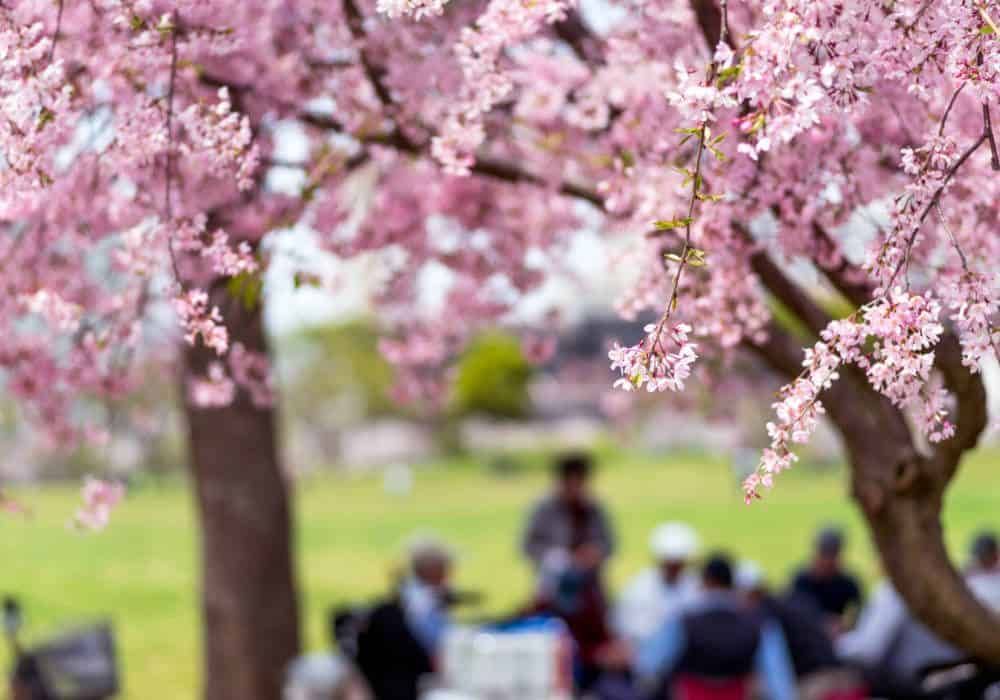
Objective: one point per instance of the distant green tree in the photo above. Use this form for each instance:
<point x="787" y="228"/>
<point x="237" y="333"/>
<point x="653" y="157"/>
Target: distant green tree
<point x="492" y="378"/>
<point x="339" y="361"/>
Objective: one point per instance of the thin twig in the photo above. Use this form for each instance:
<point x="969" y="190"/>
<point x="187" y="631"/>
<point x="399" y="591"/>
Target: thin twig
<point x="951" y="103"/>
<point x="930" y="205"/>
<point x="951" y="237"/>
<point x="168" y="178"/>
<point x="55" y="36"/>
<point x="988" y="128"/>
<point x="711" y="74"/>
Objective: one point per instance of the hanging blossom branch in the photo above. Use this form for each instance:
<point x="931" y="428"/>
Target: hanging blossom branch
<point x="651" y="362"/>
<point x="891" y="339"/>
<point x="973" y="308"/>
<point x="890" y="250"/>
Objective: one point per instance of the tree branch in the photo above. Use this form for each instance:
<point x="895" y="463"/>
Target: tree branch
<point x="169" y="174"/>
<point x="587" y="46"/>
<point x="843" y="277"/>
<point x="55" y="34"/>
<point x="790" y="294"/>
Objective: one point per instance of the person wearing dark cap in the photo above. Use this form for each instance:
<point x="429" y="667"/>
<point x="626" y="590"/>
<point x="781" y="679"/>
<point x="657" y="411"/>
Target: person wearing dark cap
<point x="984" y="553"/>
<point x="983" y="573"/>
<point x="568" y="539"/>
<point x="714" y="650"/>
<point x="834" y="591"/>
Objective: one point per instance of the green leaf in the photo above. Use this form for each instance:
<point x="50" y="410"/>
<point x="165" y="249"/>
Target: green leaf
<point x="986" y="30"/>
<point x="696" y="257"/>
<point x="668" y="224"/>
<point x="719" y="155"/>
<point x="727" y="74"/>
<point x="246" y="288"/>
<point x="44" y="117"/>
<point x="309" y="191"/>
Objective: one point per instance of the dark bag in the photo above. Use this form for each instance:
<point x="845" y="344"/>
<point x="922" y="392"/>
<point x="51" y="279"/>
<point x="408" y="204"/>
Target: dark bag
<point x="79" y="665"/>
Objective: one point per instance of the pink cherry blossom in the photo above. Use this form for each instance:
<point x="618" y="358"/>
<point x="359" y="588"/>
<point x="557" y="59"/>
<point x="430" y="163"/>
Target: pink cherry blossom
<point x="100" y="497"/>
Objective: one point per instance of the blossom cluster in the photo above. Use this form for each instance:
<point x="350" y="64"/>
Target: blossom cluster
<point x="99" y="498"/>
<point x="213" y="390"/>
<point x="198" y="320"/>
<point x="798" y="414"/>
<point x="661" y="361"/>
<point x="416" y="8"/>
<point x="485" y="83"/>
<point x="974" y="309"/>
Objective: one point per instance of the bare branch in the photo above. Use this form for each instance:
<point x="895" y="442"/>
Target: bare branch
<point x="951" y="103"/>
<point x="934" y="200"/>
<point x="988" y="128"/>
<point x="587" y="46"/>
<point x="169" y="174"/>
<point x="843" y="276"/>
<point x="55" y="35"/>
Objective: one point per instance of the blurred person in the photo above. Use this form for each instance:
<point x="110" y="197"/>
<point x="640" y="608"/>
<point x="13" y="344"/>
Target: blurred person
<point x="401" y="637"/>
<point x="835" y="591"/>
<point x="892" y="647"/>
<point x="983" y="573"/>
<point x="819" y="672"/>
<point x="713" y="650"/>
<point x="662" y="590"/>
<point x="568" y="528"/>
<point x="324" y="676"/>
<point x="568" y="539"/>
<point x="425" y="592"/>
<point x="984" y="554"/>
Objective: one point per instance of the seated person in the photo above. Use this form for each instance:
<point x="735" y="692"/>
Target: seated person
<point x="399" y="641"/>
<point x="713" y="650"/>
<point x="835" y="591"/>
<point x="662" y="590"/>
<point x="891" y="646"/>
<point x="814" y="660"/>
<point x="894" y="648"/>
<point x="984" y="569"/>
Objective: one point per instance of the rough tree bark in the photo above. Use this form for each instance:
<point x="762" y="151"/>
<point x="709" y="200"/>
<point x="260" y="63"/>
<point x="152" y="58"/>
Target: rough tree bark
<point x="249" y="605"/>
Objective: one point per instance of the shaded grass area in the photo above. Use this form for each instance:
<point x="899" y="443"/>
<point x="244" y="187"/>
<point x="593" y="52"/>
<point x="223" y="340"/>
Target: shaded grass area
<point x="142" y="572"/>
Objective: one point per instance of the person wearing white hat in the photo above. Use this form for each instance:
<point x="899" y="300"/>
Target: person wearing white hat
<point x="660" y="591"/>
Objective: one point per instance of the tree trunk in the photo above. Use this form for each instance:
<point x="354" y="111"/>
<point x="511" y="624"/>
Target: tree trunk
<point x="249" y="606"/>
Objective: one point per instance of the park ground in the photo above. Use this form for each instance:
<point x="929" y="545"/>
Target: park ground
<point x="141" y="572"/>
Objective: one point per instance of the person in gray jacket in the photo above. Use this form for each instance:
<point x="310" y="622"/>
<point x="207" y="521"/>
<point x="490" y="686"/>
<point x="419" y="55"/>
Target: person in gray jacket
<point x="568" y="528"/>
<point x="568" y="539"/>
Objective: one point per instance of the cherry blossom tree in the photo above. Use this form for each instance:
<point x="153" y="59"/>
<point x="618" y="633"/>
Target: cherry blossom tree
<point x="727" y="143"/>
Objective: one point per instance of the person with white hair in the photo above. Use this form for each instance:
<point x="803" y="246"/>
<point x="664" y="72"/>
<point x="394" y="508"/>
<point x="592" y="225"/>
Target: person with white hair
<point x="425" y="590"/>
<point x="403" y="635"/>
<point x="662" y="590"/>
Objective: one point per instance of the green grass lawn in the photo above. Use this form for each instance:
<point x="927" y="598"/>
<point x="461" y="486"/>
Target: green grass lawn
<point x="141" y="571"/>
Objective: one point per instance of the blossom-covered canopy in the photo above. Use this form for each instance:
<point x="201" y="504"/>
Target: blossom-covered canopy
<point x="722" y="141"/>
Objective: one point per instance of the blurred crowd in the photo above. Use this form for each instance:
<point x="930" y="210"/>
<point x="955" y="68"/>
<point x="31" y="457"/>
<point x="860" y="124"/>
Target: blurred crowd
<point x="691" y="626"/>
